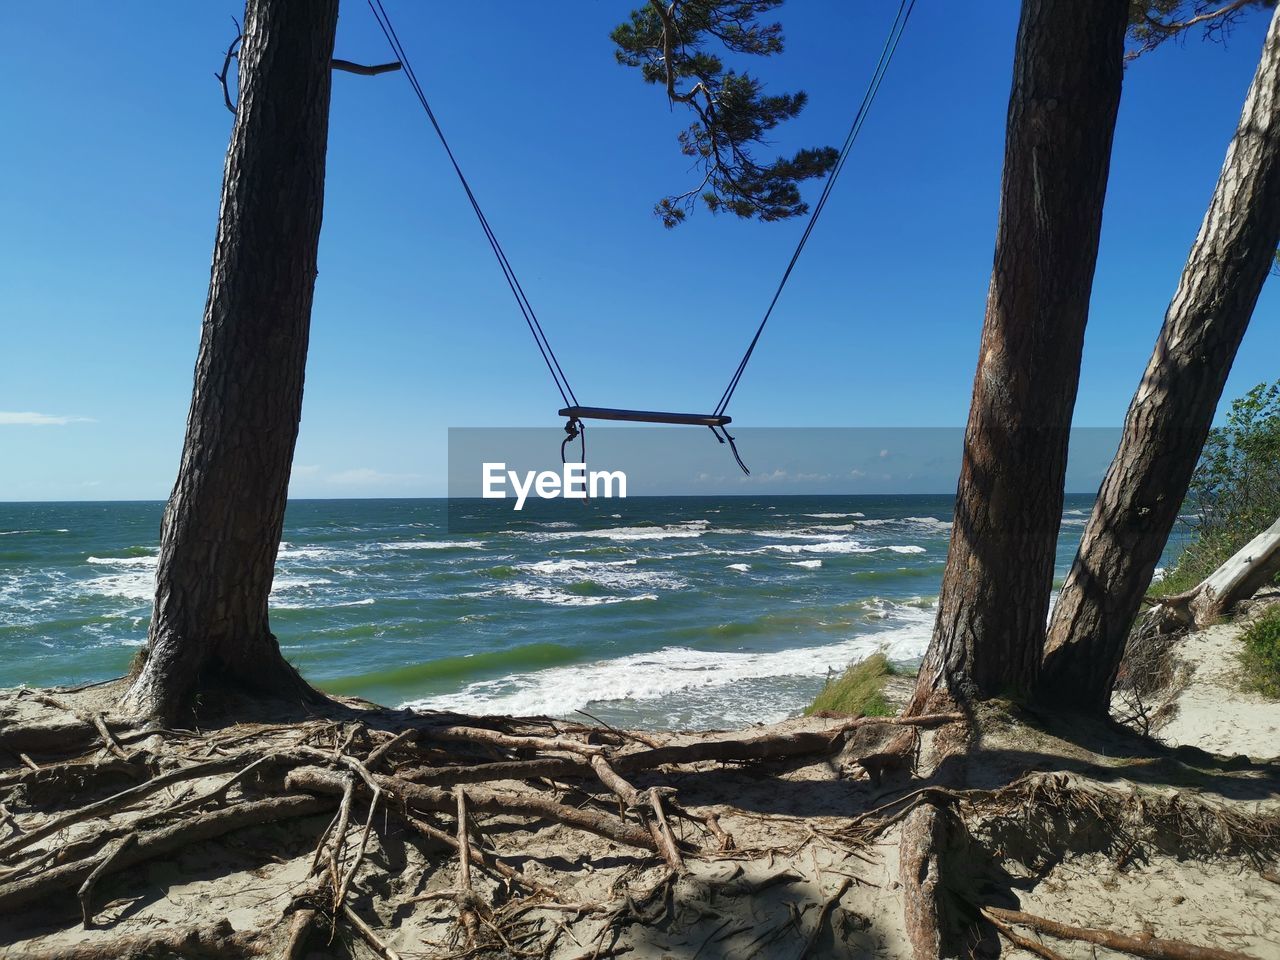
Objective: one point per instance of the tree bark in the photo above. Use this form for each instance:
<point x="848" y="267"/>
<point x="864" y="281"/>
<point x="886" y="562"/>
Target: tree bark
<point x="1171" y="413"/>
<point x="222" y="525"/>
<point x="989" y="634"/>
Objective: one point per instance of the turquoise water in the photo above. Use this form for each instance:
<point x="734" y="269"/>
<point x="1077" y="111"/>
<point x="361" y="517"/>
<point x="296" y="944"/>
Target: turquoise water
<point x="696" y="612"/>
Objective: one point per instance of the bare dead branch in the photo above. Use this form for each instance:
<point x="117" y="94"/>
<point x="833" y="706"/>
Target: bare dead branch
<point x="1144" y="945"/>
<point x="232" y="53"/>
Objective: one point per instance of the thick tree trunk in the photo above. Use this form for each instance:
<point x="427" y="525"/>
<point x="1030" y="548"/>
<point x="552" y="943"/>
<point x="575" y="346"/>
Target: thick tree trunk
<point x="1173" y="408"/>
<point x="223" y="522"/>
<point x="995" y="592"/>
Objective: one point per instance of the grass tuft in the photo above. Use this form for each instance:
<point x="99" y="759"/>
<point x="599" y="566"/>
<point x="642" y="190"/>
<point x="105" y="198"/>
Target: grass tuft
<point x="858" y="692"/>
<point x="1261" y="654"/>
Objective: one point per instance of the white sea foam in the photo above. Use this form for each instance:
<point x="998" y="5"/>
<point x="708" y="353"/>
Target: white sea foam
<point x="928" y="523"/>
<point x="805" y="533"/>
<point x="290" y="552"/>
<point x="673" y="670"/>
<point x="287" y="582"/>
<point x="316" y="604"/>
<point x="430" y="545"/>
<point x="807" y="564"/>
<point x="832" y="516"/>
<point x="563" y="566"/>
<point x="134" y="585"/>
<point x="843" y="546"/>
<point x="123" y="561"/>
<point x="740" y="567"/>
<point x="687" y="530"/>
<point x="610" y="574"/>
<point x="559" y="598"/>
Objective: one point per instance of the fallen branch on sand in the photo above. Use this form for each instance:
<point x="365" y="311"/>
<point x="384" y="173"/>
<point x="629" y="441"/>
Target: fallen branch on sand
<point x="1144" y="945"/>
<point x="1252" y="566"/>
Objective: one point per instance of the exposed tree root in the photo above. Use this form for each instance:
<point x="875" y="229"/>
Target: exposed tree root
<point x="924" y="907"/>
<point x="219" y="942"/>
<point x="390" y="814"/>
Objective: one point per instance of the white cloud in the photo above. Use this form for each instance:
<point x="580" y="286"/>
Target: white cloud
<point x="29" y="419"/>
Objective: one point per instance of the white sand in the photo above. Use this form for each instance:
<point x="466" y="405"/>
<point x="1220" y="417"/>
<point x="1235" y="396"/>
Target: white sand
<point x="1213" y="711"/>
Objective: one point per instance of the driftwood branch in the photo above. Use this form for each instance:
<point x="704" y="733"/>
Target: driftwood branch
<point x="1144" y="945"/>
<point x="1253" y="566"/>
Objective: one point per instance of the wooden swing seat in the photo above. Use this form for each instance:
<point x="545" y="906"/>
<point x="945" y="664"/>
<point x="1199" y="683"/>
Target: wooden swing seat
<point x="645" y="416"/>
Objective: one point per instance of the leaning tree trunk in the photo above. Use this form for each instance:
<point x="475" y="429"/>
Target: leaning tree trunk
<point x="995" y="592"/>
<point x="223" y="522"/>
<point x="1173" y="408"/>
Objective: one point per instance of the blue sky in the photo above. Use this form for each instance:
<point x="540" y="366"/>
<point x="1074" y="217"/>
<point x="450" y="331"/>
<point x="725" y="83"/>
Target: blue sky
<point x="114" y="142"/>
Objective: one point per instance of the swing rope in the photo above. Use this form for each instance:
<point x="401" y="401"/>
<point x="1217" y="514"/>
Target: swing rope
<point x="882" y="66"/>
<point x="522" y="301"/>
<point x="574" y="427"/>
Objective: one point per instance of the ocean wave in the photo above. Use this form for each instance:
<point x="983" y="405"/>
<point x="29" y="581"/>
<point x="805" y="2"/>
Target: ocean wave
<point x="843" y="546"/>
<point x="139" y="586"/>
<point x="832" y="516"/>
<point x="430" y="545"/>
<point x="933" y="523"/>
<point x="123" y="561"/>
<point x="807" y="564"/>
<point x="674" y="670"/>
<point x="290" y="552"/>
<point x="608" y="574"/>
<point x="804" y="533"/>
<point x="929" y="523"/>
<point x="576" y="566"/>
<point x="559" y="598"/>
<point x="687" y="530"/>
<point x="740" y="567"/>
<point x="288" y="582"/>
<point x="317" y="604"/>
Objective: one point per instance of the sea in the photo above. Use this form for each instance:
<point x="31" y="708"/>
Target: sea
<point x="659" y="612"/>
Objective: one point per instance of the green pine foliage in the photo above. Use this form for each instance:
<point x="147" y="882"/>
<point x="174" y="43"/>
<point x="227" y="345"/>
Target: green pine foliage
<point x="1152" y="22"/>
<point x="673" y="44"/>
<point x="1261" y="655"/>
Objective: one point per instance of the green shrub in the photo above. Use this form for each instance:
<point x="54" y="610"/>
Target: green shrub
<point x="1261" y="655"/>
<point x="1235" y="493"/>
<point x="858" y="692"/>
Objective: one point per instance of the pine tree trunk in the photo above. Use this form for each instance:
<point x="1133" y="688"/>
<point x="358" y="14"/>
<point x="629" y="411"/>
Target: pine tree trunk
<point x="995" y="592"/>
<point x="1171" y="413"/>
<point x="223" y="522"/>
